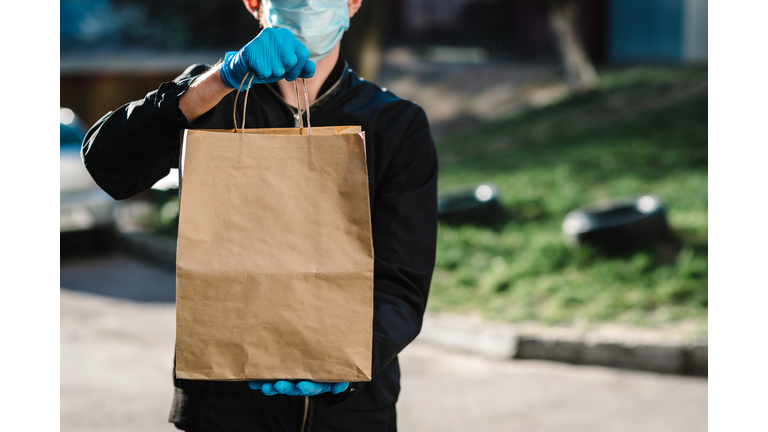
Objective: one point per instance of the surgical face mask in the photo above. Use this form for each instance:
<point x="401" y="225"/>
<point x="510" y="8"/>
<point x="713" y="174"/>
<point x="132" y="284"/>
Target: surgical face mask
<point x="318" y="24"/>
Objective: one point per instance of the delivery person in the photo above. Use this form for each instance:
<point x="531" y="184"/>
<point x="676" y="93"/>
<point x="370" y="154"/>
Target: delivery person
<point x="131" y="148"/>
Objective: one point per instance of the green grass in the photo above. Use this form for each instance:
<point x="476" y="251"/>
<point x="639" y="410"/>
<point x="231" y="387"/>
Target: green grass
<point x="642" y="131"/>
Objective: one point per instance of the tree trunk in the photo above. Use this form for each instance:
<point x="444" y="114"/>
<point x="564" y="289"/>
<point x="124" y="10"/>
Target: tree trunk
<point x="579" y="72"/>
<point x="361" y="45"/>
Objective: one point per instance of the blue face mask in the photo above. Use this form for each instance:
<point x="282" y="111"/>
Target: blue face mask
<point x="318" y="24"/>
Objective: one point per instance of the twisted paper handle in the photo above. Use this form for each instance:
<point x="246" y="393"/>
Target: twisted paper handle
<point x="298" y="104"/>
<point x="306" y="104"/>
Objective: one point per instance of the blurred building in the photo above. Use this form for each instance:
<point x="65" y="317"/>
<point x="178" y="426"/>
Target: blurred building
<point x="502" y="29"/>
<point x="114" y="51"/>
<point x="612" y="31"/>
<point x="92" y="84"/>
<point x="658" y="30"/>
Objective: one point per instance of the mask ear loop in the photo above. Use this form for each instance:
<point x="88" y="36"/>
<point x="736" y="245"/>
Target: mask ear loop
<point x="245" y="103"/>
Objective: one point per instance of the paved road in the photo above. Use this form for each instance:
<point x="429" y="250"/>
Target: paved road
<point x="444" y="391"/>
<point x="117" y="353"/>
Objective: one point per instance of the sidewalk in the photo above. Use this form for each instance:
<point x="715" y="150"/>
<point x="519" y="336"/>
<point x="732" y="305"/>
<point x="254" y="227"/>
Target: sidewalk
<point x="117" y="358"/>
<point x="680" y="349"/>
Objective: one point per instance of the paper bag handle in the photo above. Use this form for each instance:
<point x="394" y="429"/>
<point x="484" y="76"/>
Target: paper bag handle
<point x="298" y="103"/>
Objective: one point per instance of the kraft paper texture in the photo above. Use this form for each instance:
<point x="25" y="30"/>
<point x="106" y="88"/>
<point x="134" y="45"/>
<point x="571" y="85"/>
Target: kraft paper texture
<point x="274" y="269"/>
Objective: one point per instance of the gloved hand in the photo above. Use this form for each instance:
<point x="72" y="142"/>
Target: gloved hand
<point x="273" y="55"/>
<point x="302" y="388"/>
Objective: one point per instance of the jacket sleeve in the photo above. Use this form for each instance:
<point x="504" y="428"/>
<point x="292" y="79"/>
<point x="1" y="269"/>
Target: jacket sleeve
<point x="128" y="150"/>
<point x="404" y="220"/>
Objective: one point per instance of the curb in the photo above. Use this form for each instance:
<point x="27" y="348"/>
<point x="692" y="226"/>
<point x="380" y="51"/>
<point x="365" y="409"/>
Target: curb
<point x="672" y="359"/>
<point x="666" y="350"/>
<point x="158" y="250"/>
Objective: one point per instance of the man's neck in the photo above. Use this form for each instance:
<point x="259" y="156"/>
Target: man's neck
<point x="323" y="69"/>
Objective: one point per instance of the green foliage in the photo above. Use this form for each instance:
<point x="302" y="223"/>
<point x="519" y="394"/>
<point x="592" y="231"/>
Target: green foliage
<point x="165" y="205"/>
<point x="642" y="131"/>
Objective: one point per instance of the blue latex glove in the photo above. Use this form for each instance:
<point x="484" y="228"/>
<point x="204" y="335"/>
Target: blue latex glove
<point x="302" y="388"/>
<point x="273" y="55"/>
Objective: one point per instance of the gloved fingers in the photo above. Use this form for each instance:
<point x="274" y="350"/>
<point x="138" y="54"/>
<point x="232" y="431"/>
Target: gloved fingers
<point x="303" y="388"/>
<point x="309" y="69"/>
<point x="301" y="55"/>
<point x="289" y="59"/>
<point x="310" y="388"/>
<point x="294" y="72"/>
<point x="285" y="388"/>
<point x="271" y="388"/>
<point x="272" y="55"/>
<point x="337" y="388"/>
<point x="268" y="389"/>
<point x="280" y="46"/>
<point x="277" y="70"/>
<point x="262" y="70"/>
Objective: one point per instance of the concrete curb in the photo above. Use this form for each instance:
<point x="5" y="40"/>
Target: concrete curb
<point x="152" y="248"/>
<point x="672" y="350"/>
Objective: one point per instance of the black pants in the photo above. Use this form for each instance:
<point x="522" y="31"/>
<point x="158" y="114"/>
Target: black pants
<point x="284" y="414"/>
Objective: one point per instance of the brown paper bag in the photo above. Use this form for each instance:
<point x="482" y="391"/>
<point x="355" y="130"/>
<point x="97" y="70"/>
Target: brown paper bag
<point x="274" y="270"/>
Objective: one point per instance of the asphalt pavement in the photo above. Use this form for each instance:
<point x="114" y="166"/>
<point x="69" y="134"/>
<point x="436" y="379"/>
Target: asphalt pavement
<point x="117" y="354"/>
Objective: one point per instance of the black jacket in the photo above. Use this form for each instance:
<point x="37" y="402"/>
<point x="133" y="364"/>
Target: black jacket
<point x="131" y="148"/>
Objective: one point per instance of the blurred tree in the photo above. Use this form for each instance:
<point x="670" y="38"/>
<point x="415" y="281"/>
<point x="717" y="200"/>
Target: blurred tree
<point x="579" y="72"/>
<point x="361" y="45"/>
<point x="187" y="24"/>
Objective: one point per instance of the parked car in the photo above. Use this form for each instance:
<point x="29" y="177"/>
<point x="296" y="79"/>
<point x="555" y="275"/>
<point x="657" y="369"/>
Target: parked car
<point x="84" y="206"/>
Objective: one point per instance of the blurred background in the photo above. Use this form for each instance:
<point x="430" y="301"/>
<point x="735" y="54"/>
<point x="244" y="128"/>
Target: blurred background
<point x="571" y="135"/>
